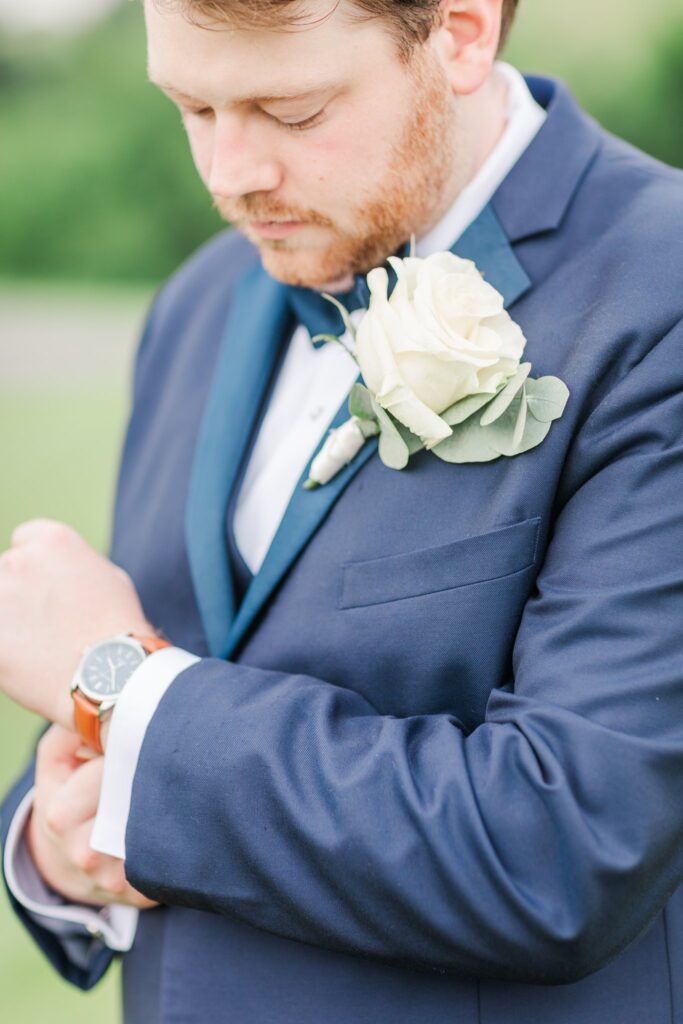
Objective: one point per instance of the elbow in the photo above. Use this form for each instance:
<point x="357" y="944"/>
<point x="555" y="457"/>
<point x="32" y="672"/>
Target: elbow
<point x="568" y="963"/>
<point x="572" y="956"/>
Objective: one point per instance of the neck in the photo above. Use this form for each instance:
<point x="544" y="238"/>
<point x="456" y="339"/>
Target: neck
<point x="479" y="122"/>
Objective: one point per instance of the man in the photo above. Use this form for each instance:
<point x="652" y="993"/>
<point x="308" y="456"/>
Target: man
<point x="416" y="751"/>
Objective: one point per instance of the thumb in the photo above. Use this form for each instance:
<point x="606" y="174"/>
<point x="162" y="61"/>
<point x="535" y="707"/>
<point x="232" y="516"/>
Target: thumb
<point x="57" y="754"/>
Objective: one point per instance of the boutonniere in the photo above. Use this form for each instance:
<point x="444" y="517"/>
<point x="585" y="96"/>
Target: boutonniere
<point x="441" y="363"/>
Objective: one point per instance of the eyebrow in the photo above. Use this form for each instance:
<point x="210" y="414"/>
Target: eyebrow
<point x="322" y="87"/>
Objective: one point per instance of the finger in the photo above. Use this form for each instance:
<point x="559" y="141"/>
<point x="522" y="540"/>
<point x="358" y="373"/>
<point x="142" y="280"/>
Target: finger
<point x="36" y="528"/>
<point x="57" y="754"/>
<point x="105" y="874"/>
<point x="59" y="744"/>
<point x="75" y="801"/>
<point x="78" y="851"/>
<point x="27" y="531"/>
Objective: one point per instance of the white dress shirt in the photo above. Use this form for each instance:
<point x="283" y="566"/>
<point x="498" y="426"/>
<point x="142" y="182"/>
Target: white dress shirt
<point x="311" y="385"/>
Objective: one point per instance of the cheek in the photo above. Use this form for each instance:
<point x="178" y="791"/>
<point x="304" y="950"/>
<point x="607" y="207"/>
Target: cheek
<point x="347" y="160"/>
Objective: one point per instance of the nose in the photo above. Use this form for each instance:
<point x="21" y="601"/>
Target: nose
<point x="242" y="159"/>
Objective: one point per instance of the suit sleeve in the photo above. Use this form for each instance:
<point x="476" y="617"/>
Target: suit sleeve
<point x="536" y="847"/>
<point x="80" y="958"/>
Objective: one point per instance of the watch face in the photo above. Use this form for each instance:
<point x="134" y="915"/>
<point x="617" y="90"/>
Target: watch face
<point x="108" y="668"/>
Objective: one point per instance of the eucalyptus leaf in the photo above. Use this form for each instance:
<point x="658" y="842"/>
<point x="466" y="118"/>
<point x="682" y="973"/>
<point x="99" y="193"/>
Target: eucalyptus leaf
<point x="393" y="451"/>
<point x="520" y="422"/>
<point x="502" y="433"/>
<point x="512" y="433"/>
<point x="466" y="407"/>
<point x="413" y="442"/>
<point x="468" y="443"/>
<point x="547" y="398"/>
<point x="506" y="396"/>
<point x="368" y="428"/>
<point x="360" y="403"/>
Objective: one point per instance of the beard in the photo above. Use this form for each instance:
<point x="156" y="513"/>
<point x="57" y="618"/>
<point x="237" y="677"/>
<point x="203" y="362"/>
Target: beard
<point x="408" y="199"/>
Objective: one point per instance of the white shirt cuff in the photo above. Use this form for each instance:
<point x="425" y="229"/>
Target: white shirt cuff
<point x="131" y="716"/>
<point x="115" y="925"/>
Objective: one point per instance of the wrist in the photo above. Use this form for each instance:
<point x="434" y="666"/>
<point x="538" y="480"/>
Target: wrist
<point x="102" y="674"/>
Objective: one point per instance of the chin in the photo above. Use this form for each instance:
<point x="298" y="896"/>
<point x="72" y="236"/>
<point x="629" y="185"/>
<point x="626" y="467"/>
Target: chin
<point x="306" y="269"/>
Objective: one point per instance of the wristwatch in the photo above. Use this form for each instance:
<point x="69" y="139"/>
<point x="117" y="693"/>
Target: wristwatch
<point x="102" y="673"/>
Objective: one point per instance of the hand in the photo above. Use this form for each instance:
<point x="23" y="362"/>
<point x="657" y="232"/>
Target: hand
<point x="65" y="803"/>
<point x="57" y="597"/>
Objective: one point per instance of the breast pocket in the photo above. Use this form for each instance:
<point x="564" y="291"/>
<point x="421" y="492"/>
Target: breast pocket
<point x="461" y="563"/>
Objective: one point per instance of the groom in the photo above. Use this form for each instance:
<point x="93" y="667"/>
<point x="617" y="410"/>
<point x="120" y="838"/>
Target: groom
<point x="415" y="752"/>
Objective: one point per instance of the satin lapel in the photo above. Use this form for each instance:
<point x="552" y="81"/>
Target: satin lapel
<point x="253" y="333"/>
<point x="486" y="243"/>
<point x="305" y="513"/>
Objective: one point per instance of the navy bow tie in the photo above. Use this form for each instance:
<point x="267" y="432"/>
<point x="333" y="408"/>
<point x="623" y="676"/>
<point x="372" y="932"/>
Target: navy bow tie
<point x="319" y="316"/>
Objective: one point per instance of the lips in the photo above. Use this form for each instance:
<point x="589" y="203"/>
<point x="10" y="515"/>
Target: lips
<point x="275" y="229"/>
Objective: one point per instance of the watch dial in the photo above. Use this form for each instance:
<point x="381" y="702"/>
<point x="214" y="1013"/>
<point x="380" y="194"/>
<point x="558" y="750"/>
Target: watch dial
<point x="109" y="667"/>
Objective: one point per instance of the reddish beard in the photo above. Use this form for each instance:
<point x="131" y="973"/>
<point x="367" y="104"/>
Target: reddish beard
<point x="403" y="203"/>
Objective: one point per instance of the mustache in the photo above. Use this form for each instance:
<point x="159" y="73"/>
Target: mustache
<point x="253" y="209"/>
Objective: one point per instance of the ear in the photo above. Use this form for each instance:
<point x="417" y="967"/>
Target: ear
<point x="466" y="39"/>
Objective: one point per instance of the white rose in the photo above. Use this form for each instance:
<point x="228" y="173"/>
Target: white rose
<point x="442" y="335"/>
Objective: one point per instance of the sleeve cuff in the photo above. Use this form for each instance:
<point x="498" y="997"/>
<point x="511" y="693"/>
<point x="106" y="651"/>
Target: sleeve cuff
<point x="113" y="925"/>
<point x="131" y="716"/>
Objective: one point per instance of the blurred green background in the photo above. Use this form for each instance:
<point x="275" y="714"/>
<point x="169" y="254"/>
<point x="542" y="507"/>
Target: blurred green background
<point x="98" y="203"/>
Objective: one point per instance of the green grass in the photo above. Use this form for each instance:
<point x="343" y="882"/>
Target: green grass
<point x="58" y="457"/>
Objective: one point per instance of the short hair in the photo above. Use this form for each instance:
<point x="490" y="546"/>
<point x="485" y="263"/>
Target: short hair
<point x="410" y="22"/>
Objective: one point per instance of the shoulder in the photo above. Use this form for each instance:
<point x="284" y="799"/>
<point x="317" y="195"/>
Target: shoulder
<point x="624" y="229"/>
<point x="648" y="192"/>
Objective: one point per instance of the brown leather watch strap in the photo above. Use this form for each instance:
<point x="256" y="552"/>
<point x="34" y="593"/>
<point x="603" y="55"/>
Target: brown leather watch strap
<point x="87" y="719"/>
<point x="87" y="712"/>
<point x="150" y="643"/>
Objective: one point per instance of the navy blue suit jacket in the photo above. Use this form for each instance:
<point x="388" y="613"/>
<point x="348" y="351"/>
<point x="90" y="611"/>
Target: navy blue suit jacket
<point x="432" y="767"/>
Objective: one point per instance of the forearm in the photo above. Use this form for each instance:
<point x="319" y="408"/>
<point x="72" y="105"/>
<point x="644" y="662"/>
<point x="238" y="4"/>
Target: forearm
<point x="403" y="839"/>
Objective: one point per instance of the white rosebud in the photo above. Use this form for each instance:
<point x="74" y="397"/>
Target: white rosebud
<point x="341" y="446"/>
<point x="442" y="335"/>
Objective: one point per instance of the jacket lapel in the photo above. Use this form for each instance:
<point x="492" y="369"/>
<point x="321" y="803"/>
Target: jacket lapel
<point x="486" y="243"/>
<point x="259" y="316"/>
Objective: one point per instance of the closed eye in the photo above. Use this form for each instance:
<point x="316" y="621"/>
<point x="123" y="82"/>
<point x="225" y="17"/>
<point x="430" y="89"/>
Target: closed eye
<point x="309" y="122"/>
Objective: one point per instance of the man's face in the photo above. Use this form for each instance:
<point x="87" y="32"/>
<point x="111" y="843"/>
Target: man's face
<point x="374" y="163"/>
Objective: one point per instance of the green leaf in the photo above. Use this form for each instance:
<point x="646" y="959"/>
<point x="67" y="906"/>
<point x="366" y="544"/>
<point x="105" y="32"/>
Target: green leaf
<point x="547" y="398"/>
<point x="520" y="422"/>
<point x="510" y="434"/>
<point x="413" y="442"/>
<point x="466" y="407"/>
<point x="502" y="433"/>
<point x="506" y="396"/>
<point x="393" y="450"/>
<point x="368" y="428"/>
<point x="360" y="403"/>
<point x="468" y="443"/>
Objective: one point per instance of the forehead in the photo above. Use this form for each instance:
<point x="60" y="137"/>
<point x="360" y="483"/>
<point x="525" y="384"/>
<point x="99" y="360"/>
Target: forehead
<point x="211" y="59"/>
